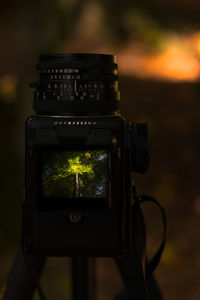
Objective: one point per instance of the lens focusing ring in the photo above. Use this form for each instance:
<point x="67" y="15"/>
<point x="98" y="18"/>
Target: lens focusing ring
<point x="76" y="83"/>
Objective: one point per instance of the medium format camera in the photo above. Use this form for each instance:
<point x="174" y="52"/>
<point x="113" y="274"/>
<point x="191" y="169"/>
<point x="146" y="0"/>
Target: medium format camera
<point x="80" y="154"/>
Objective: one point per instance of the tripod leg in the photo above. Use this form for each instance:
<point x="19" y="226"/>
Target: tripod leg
<point x="132" y="265"/>
<point x="153" y="288"/>
<point x="83" y="276"/>
<point x="130" y="269"/>
<point x="20" y="284"/>
<point x="138" y="286"/>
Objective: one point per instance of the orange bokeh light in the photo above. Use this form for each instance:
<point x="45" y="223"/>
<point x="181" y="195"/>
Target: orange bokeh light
<point x="178" y="61"/>
<point x="174" y="64"/>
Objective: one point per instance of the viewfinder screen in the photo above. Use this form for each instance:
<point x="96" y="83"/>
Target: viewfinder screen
<point x="75" y="174"/>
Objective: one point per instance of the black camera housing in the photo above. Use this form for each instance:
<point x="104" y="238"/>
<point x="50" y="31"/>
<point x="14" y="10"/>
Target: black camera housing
<point x="76" y="226"/>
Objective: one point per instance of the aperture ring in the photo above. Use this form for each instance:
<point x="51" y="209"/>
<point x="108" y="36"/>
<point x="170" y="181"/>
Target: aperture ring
<point x="71" y="96"/>
<point x="100" y="86"/>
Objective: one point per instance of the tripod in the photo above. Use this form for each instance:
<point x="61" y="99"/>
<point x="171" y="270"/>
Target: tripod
<point x="136" y="273"/>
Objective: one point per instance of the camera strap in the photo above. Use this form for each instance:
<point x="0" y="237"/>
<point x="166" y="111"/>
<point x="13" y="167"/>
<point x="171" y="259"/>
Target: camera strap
<point x="153" y="263"/>
<point x="136" y="271"/>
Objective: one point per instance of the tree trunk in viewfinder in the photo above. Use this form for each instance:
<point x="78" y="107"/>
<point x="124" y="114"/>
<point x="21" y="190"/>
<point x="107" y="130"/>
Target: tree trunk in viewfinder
<point x="77" y="187"/>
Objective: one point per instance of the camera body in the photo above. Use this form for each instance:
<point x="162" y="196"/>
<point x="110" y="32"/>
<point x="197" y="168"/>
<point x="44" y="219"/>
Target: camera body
<point x="78" y="191"/>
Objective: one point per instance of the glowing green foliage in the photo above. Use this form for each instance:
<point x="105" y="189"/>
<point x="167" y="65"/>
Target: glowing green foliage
<point x="76" y="166"/>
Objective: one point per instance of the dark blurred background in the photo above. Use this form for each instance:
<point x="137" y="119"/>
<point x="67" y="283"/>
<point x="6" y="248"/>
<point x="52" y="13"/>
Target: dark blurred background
<point x="157" y="44"/>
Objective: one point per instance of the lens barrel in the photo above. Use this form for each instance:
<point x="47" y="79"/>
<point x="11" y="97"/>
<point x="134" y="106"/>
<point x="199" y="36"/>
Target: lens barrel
<point x="76" y="84"/>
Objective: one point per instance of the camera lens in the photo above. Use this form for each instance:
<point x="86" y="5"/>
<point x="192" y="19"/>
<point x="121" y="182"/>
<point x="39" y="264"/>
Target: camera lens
<point x="76" y="84"/>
